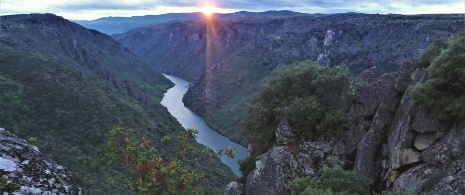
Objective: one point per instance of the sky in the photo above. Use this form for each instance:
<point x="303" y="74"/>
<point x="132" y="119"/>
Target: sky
<point x="93" y="9"/>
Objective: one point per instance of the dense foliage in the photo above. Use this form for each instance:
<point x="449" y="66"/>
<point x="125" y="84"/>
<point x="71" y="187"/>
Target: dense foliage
<point x="444" y="91"/>
<point x="332" y="182"/>
<point x="310" y="96"/>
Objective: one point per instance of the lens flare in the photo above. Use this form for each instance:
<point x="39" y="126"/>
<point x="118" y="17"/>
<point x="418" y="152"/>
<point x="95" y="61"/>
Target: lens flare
<point x="213" y="54"/>
<point x="208" y="10"/>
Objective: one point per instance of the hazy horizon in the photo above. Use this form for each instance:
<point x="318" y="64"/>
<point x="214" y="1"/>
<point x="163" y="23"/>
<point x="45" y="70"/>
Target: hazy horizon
<point x="92" y="9"/>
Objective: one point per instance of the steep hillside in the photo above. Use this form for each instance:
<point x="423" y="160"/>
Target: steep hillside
<point x="404" y="132"/>
<point x="63" y="87"/>
<point x="115" y="25"/>
<point x="245" y="50"/>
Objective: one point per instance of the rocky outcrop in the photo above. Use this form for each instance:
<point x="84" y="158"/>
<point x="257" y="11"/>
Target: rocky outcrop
<point x="25" y="170"/>
<point x="391" y="140"/>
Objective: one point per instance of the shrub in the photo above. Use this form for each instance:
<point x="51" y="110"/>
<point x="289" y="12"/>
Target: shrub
<point x="444" y="91"/>
<point x="310" y="95"/>
<point x="332" y="182"/>
<point x="431" y="52"/>
<point x="246" y="165"/>
<point x="149" y="172"/>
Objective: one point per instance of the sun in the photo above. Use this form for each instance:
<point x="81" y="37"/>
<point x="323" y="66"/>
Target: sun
<point x="208" y="10"/>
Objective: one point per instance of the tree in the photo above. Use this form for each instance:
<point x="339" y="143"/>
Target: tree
<point x="149" y="172"/>
<point x="444" y="91"/>
<point x="309" y="95"/>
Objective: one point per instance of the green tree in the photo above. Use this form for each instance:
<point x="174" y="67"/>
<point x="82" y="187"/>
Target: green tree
<point x="310" y="96"/>
<point x="149" y="172"/>
<point x="432" y="51"/>
<point x="444" y="91"/>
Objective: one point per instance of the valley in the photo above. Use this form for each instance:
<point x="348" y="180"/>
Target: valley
<point x="64" y="87"/>
<point x="366" y="102"/>
<point x="246" y="51"/>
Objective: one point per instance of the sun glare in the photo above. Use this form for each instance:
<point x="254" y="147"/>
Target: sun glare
<point x="208" y="10"/>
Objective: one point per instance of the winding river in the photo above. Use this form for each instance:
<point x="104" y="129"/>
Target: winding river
<point x="188" y="119"/>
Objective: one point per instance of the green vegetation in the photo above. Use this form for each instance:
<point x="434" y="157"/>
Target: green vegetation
<point x="246" y="165"/>
<point x="149" y="172"/>
<point x="432" y="51"/>
<point x="309" y="95"/>
<point x="63" y="88"/>
<point x="332" y="182"/>
<point x="444" y="91"/>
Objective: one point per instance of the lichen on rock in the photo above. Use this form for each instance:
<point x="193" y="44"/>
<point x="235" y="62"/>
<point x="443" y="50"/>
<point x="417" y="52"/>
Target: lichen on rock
<point x="25" y="170"/>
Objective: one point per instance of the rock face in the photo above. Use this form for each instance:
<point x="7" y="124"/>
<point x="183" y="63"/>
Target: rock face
<point x="391" y="140"/>
<point x="25" y="170"/>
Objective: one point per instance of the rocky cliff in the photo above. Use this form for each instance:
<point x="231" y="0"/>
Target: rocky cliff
<point x="245" y="50"/>
<point x="25" y="170"/>
<point x="392" y="141"/>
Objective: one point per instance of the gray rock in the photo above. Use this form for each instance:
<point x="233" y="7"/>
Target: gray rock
<point x="25" y="170"/>
<point x="271" y="173"/>
<point x="423" y="141"/>
<point x="283" y="133"/>
<point x="234" y="188"/>
<point x="405" y="157"/>
<point x="448" y="149"/>
<point x="7" y="165"/>
<point x="400" y="135"/>
<point x="414" y="179"/>
<point x="451" y="185"/>
<point x="424" y="122"/>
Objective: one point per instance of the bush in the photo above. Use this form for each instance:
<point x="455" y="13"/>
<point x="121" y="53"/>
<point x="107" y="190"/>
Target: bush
<point x="332" y="182"/>
<point x="246" y="165"/>
<point x="431" y="52"/>
<point x="444" y="91"/>
<point x="310" y="95"/>
<point x="149" y="173"/>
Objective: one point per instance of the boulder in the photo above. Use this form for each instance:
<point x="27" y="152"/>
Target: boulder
<point x="424" y="140"/>
<point x="25" y="170"/>
<point x="272" y="173"/>
<point x="447" y="150"/>
<point x="234" y="188"/>
<point x="415" y="179"/>
<point x="406" y="157"/>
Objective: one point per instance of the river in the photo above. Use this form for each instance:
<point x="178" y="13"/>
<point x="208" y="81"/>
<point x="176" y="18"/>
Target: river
<point x="188" y="119"/>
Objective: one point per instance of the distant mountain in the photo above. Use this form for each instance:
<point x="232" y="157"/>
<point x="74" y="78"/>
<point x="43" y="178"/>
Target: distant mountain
<point x="63" y="87"/>
<point x="245" y="50"/>
<point x="115" y="25"/>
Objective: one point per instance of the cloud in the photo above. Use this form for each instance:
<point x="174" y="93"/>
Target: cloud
<point x="85" y="8"/>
